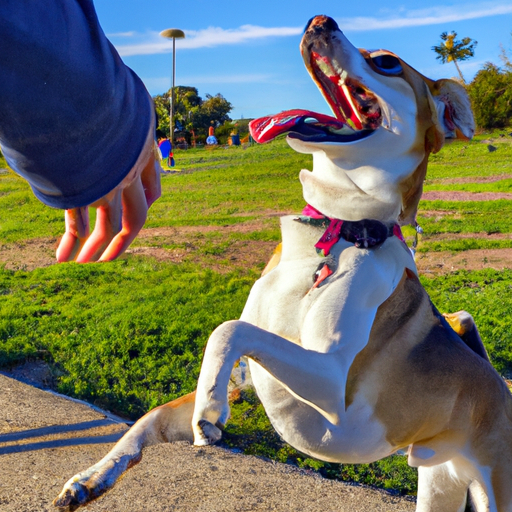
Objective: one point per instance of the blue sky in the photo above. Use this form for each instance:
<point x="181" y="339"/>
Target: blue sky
<point x="249" y="51"/>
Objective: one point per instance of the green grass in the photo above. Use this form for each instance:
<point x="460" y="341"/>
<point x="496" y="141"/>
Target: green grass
<point x="471" y="158"/>
<point x="466" y="216"/>
<point x="129" y="335"/>
<point x="126" y="336"/>
<point x="231" y="186"/>
<point x="504" y="185"/>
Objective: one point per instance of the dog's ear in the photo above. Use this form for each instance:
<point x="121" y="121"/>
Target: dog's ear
<point x="451" y="113"/>
<point x="452" y="118"/>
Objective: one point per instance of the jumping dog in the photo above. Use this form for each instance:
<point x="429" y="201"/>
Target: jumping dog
<point x="349" y="357"/>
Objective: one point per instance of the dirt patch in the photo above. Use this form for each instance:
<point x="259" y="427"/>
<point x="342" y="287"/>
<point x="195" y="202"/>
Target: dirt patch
<point x="439" y="214"/>
<point x="452" y="195"/>
<point x="474" y="179"/>
<point x="444" y="262"/>
<point x="29" y="255"/>
<point x="460" y="236"/>
<point x="207" y="246"/>
<point x="239" y="254"/>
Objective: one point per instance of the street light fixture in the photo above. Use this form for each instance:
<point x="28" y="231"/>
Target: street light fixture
<point x="172" y="33"/>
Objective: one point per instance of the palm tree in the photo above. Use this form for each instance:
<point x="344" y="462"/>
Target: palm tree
<point x="451" y="50"/>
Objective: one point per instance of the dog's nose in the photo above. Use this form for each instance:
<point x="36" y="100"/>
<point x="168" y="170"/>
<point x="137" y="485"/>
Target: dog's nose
<point x="321" y="23"/>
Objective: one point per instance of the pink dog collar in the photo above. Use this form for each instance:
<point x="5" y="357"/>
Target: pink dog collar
<point x="364" y="234"/>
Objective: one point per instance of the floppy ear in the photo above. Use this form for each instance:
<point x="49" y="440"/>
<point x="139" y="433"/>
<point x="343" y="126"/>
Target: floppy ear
<point x="451" y="112"/>
<point x="452" y="118"/>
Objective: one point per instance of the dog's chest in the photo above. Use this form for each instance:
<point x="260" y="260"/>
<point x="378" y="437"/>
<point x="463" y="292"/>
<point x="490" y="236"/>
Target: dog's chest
<point x="281" y="300"/>
<point x="286" y="302"/>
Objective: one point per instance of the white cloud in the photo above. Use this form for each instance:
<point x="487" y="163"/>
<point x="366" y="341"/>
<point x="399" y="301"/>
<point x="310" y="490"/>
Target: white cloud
<point x="152" y="43"/>
<point x="212" y="36"/>
<point x="121" y="34"/>
<point x="215" y="36"/>
<point x="429" y="16"/>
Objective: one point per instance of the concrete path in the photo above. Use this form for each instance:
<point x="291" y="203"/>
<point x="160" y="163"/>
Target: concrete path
<point x="45" y="439"/>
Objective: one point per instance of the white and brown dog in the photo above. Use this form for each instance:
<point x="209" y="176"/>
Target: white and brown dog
<point x="355" y="363"/>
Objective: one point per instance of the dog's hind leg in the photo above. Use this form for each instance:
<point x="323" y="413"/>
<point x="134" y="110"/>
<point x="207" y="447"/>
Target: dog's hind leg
<point x="464" y="325"/>
<point x="441" y="490"/>
<point x="167" y="423"/>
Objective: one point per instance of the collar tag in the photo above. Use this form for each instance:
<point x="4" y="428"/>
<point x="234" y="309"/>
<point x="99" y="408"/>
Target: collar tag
<point x="321" y="275"/>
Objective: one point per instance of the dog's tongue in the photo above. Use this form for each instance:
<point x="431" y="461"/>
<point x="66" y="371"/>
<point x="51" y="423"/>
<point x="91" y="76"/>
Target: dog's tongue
<point x="304" y="122"/>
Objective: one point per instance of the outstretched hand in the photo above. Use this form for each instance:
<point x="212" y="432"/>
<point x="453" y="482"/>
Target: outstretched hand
<point x="120" y="215"/>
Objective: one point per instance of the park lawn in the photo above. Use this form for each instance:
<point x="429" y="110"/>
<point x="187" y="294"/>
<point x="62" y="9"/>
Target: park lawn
<point x="129" y="335"/>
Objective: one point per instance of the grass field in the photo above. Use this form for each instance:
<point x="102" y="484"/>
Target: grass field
<point x="129" y="335"/>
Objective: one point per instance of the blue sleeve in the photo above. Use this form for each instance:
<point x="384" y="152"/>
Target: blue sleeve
<point x="73" y="117"/>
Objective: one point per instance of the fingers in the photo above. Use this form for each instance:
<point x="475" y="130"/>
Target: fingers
<point x="134" y="214"/>
<point x="108" y="224"/>
<point x="151" y="181"/>
<point x="120" y="216"/>
<point x="77" y="231"/>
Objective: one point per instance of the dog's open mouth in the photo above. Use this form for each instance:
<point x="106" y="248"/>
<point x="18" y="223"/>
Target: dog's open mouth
<point x="356" y="109"/>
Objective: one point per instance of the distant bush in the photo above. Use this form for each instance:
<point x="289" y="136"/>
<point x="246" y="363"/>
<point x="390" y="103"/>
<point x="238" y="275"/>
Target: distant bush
<point x="491" y="96"/>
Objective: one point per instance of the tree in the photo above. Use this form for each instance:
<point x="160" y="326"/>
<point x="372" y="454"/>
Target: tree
<point x="504" y="56"/>
<point x="191" y="112"/>
<point x="491" y="96"/>
<point x="451" y="50"/>
<point x="217" y="108"/>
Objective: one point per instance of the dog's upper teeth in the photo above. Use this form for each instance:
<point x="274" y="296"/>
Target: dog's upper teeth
<point x="354" y="108"/>
<point x="325" y="68"/>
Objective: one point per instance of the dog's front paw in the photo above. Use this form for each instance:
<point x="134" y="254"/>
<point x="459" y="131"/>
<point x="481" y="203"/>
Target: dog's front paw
<point x="74" y="494"/>
<point x="206" y="433"/>
<point x="210" y="415"/>
<point x="93" y="482"/>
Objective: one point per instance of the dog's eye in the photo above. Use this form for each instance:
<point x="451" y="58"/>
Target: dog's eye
<point x="388" y="64"/>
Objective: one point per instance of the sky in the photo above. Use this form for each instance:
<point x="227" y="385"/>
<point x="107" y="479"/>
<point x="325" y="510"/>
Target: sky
<point x="249" y="51"/>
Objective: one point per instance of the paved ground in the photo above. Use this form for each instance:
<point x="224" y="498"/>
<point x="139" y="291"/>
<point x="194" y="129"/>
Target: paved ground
<point x="45" y="439"/>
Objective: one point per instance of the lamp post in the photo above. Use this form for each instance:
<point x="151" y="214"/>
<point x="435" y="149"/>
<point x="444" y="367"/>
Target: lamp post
<point x="172" y="33"/>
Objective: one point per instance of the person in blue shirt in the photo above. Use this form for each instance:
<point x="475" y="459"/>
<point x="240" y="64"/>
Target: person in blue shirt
<point x="77" y="124"/>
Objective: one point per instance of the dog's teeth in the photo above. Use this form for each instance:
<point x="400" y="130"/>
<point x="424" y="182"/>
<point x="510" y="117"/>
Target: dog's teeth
<point x="325" y="68"/>
<point x="342" y="77"/>
<point x="348" y="96"/>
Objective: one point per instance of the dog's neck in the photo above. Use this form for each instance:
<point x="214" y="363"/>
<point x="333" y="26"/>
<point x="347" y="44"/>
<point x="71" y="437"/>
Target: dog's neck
<point x="351" y="190"/>
<point x="364" y="233"/>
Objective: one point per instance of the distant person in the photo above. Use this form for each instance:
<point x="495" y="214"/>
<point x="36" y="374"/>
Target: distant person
<point x="235" y="137"/>
<point x="164" y="144"/>
<point x="165" y="147"/>
<point x="77" y="124"/>
<point x="211" y="140"/>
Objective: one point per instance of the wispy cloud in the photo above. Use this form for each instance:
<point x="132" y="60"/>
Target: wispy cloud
<point x="210" y="37"/>
<point x="152" y="43"/>
<point x="422" y="17"/>
<point x="121" y="34"/>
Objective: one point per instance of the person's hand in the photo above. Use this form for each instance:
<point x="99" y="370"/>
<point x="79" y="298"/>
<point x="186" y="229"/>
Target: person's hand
<point x="120" y="215"/>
